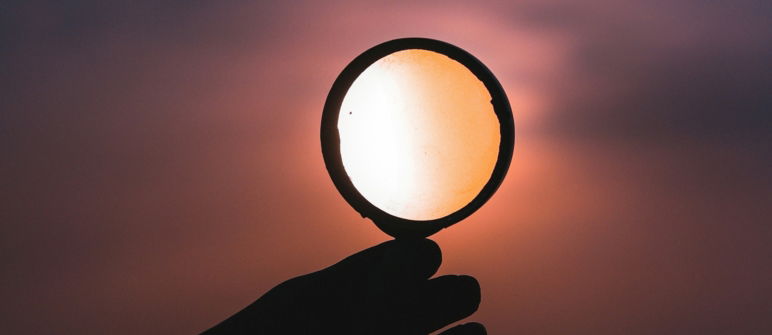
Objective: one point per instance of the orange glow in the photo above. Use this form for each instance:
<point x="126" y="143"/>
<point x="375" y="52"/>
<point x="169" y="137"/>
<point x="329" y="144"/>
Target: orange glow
<point x="419" y="137"/>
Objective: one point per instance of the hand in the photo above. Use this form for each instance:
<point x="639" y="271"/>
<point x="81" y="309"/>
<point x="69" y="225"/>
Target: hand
<point x="381" y="290"/>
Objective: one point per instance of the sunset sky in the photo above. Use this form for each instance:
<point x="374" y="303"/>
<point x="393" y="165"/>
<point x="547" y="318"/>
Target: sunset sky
<point x="162" y="167"/>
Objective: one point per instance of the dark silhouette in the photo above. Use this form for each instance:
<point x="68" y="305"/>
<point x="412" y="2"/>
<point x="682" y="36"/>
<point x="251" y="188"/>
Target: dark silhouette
<point x="381" y="290"/>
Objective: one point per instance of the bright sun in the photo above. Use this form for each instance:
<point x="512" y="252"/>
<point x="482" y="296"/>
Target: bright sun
<point x="419" y="137"/>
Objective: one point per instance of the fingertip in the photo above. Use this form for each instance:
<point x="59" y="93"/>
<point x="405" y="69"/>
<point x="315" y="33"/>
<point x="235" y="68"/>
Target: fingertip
<point x="419" y="258"/>
<point x="473" y="288"/>
<point x="468" y="293"/>
<point x="432" y="255"/>
<point x="419" y="245"/>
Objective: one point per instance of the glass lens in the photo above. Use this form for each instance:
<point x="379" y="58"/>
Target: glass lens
<point x="418" y="135"/>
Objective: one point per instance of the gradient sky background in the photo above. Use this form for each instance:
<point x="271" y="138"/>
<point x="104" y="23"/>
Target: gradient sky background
<point x="162" y="168"/>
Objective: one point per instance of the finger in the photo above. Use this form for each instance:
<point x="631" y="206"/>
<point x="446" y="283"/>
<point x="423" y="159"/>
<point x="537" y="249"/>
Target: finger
<point x="445" y="300"/>
<point x="472" y="328"/>
<point x="409" y="260"/>
<point x="361" y="262"/>
<point x="394" y="262"/>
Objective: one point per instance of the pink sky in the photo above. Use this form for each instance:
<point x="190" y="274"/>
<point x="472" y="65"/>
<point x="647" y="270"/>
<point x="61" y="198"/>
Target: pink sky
<point x="166" y="168"/>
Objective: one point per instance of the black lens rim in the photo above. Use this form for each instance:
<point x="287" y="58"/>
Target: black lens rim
<point x="330" y="137"/>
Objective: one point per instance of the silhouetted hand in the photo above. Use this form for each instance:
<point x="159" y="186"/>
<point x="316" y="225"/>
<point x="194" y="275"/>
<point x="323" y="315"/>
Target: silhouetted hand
<point x="382" y="290"/>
